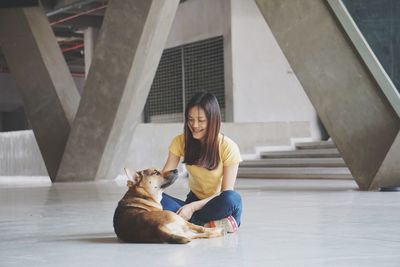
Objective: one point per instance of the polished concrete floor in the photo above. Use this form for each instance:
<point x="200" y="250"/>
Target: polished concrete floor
<point x="285" y="223"/>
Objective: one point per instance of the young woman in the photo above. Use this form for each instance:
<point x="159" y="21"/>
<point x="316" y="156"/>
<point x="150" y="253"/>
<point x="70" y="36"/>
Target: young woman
<point x="212" y="161"/>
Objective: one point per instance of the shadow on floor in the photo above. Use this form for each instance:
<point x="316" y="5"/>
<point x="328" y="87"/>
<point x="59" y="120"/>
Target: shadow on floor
<point x="93" y="238"/>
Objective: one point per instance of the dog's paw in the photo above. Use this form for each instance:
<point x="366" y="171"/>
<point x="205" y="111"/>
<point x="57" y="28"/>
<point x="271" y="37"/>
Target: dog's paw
<point x="216" y="231"/>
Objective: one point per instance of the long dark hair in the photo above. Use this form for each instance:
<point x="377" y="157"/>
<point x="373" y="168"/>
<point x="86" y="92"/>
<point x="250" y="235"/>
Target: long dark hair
<point x="203" y="153"/>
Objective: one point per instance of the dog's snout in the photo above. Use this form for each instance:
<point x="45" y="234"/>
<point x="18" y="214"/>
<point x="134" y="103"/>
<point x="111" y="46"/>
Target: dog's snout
<point x="172" y="175"/>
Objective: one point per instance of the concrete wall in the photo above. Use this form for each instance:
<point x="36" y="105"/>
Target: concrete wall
<point x="20" y="155"/>
<point x="265" y="88"/>
<point x="150" y="142"/>
<point x="199" y="20"/>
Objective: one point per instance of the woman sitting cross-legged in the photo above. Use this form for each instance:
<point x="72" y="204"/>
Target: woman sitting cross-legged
<point x="212" y="161"/>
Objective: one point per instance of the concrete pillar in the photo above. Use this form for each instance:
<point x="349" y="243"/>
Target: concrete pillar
<point x="47" y="89"/>
<point x="389" y="172"/>
<point x="90" y="37"/>
<point x="127" y="54"/>
<point x="355" y="112"/>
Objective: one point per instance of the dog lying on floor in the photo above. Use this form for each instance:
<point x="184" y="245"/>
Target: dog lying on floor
<point x="139" y="217"/>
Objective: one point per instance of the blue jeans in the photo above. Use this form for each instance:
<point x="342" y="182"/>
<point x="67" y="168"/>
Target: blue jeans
<point x="228" y="203"/>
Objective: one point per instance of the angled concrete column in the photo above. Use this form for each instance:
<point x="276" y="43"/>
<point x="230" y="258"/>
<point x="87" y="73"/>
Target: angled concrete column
<point x="45" y="84"/>
<point x="389" y="172"/>
<point x="127" y="54"/>
<point x="348" y="100"/>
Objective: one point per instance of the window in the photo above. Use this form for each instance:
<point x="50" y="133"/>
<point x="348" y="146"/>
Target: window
<point x="182" y="72"/>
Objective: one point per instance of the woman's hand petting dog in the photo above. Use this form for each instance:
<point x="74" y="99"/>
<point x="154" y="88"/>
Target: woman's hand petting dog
<point x="186" y="211"/>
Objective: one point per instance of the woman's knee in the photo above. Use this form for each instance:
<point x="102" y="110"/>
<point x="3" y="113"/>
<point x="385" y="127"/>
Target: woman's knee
<point x="233" y="200"/>
<point x="230" y="196"/>
<point x="170" y="203"/>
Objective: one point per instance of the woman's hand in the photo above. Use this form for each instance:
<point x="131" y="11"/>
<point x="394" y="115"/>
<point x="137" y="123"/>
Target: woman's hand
<point x="186" y="211"/>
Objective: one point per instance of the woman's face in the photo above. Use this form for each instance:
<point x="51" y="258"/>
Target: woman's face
<point x="197" y="122"/>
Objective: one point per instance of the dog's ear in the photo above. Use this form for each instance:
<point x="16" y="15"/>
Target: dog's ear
<point x="128" y="173"/>
<point x="133" y="179"/>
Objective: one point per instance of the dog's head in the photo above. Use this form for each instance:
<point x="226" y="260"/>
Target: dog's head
<point x="151" y="182"/>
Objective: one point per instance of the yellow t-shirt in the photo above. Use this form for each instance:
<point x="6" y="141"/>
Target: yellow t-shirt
<point x="203" y="182"/>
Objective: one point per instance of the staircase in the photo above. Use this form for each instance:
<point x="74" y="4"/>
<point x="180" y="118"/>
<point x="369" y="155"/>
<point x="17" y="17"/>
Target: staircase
<point x="311" y="160"/>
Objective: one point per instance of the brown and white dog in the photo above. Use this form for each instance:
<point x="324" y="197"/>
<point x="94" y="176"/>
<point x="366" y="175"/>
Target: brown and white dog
<point x="140" y="218"/>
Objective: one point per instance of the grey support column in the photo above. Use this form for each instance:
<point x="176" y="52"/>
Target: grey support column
<point x="48" y="91"/>
<point x="389" y="172"/>
<point x="355" y="112"/>
<point x="127" y="54"/>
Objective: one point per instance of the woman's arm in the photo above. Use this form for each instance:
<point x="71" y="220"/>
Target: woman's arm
<point x="229" y="179"/>
<point x="186" y="211"/>
<point x="171" y="163"/>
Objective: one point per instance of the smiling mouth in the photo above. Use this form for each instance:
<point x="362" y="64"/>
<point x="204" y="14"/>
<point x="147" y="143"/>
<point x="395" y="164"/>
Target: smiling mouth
<point x="197" y="130"/>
